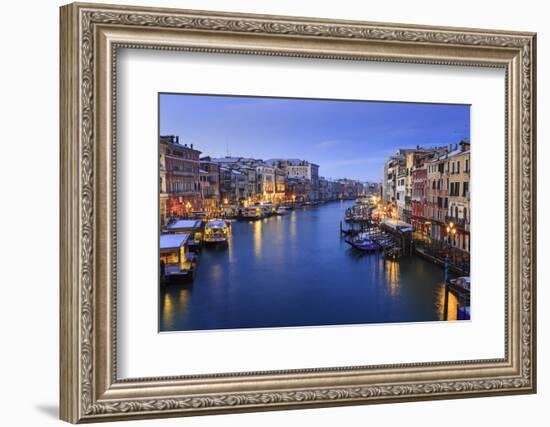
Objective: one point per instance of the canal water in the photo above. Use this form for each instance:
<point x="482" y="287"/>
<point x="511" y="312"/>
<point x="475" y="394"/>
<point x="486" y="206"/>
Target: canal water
<point x="296" y="270"/>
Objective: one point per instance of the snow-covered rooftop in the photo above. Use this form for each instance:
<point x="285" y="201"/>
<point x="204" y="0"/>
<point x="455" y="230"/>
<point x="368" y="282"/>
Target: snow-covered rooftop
<point x="172" y="241"/>
<point x="184" y="223"/>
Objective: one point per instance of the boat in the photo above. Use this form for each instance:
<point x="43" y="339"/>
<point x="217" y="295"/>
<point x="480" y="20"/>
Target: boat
<point x="176" y="261"/>
<point x="268" y="209"/>
<point x="462" y="282"/>
<point x="253" y="212"/>
<point x="393" y="253"/>
<point x="216" y="231"/>
<point x="281" y="210"/>
<point x="363" y="243"/>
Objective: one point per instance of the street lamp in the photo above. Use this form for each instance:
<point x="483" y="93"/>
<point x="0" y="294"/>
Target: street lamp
<point x="451" y="232"/>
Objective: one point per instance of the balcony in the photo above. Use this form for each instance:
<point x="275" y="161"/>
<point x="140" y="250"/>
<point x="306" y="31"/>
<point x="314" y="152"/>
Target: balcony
<point x="183" y="172"/>
<point x="459" y="222"/>
<point x="183" y="193"/>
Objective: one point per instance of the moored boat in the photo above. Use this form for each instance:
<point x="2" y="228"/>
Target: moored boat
<point x="281" y="210"/>
<point x="253" y="212"/>
<point x="393" y="253"/>
<point x="363" y="243"/>
<point x="462" y="282"/>
<point x="216" y="232"/>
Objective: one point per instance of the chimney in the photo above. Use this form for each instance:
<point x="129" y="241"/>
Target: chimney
<point x="191" y="145"/>
<point x="177" y="138"/>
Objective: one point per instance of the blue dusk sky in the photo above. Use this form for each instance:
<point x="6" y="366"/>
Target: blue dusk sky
<point x="347" y="139"/>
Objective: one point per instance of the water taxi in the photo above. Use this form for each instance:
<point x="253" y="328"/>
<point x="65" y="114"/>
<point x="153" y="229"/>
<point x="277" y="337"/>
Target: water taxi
<point x="216" y="232"/>
<point x="253" y="212"/>
<point x="176" y="262"/>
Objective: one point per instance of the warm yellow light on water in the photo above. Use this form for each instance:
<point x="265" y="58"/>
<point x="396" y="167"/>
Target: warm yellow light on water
<point x="257" y="238"/>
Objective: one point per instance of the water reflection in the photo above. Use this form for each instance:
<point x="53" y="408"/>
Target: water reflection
<point x="295" y="270"/>
<point x="392" y="276"/>
<point x="174" y="305"/>
<point x="257" y="238"/>
<point x="452" y="309"/>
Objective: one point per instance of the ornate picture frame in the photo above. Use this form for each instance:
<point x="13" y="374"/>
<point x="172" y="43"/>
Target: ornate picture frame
<point x="90" y="37"/>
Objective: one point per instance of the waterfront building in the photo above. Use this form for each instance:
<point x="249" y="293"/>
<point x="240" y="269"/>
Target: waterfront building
<point x="265" y="181"/>
<point x="350" y="189"/>
<point x="335" y="189"/>
<point x="297" y="189"/>
<point x="179" y="178"/>
<point x="280" y="185"/>
<point x="237" y="180"/>
<point x="210" y="184"/>
<point x="389" y="181"/>
<point x="401" y="193"/>
<point x="437" y="196"/>
<point x="296" y="168"/>
<point x="251" y="194"/>
<point x="419" y="197"/>
<point x="227" y="186"/>
<point x="458" y="212"/>
<point x="371" y="187"/>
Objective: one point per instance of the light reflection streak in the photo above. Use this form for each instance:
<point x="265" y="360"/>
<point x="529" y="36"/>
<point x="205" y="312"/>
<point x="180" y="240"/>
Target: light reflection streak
<point x="257" y="238"/>
<point x="453" y="304"/>
<point x="392" y="276"/>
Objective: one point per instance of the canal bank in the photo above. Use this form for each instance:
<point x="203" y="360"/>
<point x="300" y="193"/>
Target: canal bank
<point x="295" y="270"/>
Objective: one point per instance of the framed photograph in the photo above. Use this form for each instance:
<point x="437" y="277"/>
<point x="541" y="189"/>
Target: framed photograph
<point x="265" y="212"/>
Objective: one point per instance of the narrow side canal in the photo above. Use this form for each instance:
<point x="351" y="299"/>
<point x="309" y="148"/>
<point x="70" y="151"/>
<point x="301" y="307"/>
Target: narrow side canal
<point x="295" y="270"/>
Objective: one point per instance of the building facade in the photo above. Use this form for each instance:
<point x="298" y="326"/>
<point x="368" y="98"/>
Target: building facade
<point x="179" y="178"/>
<point x="458" y="212"/>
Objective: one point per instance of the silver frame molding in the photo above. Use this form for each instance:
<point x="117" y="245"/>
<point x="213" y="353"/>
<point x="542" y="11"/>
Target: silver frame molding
<point x="90" y="37"/>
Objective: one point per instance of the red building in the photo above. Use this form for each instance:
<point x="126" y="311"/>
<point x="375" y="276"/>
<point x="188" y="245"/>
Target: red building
<point x="437" y="196"/>
<point x="419" y="198"/>
<point x="179" y="177"/>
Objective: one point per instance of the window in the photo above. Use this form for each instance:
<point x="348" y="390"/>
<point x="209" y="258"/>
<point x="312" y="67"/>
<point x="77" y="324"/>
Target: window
<point x="467" y="168"/>
<point x="458" y="167"/>
<point x="465" y="189"/>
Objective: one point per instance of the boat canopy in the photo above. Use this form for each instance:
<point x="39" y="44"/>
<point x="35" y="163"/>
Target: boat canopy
<point x="185" y="223"/>
<point x="216" y="224"/>
<point x="173" y="241"/>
